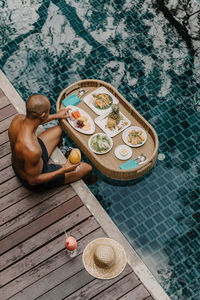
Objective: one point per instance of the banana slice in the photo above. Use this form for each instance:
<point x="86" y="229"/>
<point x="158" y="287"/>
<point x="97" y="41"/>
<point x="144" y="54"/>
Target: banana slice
<point x="87" y="126"/>
<point x="83" y="118"/>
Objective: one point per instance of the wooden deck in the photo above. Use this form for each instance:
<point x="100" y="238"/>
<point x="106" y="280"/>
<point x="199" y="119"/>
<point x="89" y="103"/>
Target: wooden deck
<point x="34" y="263"/>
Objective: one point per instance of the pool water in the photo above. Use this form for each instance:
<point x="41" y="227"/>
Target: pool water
<point x="149" y="51"/>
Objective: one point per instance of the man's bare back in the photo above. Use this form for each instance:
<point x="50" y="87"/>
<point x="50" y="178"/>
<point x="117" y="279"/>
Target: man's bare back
<point x="30" y="153"/>
<point x="26" y="151"/>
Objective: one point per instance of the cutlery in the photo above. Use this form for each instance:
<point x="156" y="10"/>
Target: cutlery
<point x="141" y="159"/>
<point x="82" y="92"/>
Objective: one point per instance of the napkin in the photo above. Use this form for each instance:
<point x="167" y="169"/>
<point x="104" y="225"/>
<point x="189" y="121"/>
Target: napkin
<point x="71" y="100"/>
<point x="130" y="164"/>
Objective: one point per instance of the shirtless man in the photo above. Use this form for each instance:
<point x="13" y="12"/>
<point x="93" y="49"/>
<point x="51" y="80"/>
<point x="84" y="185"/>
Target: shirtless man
<point x="30" y="154"/>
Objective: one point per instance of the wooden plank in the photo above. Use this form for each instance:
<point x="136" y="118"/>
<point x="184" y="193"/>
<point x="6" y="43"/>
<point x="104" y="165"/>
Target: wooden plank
<point x="29" y="216"/>
<point x="29" y="202"/>
<point x="5" y="161"/>
<point x="60" y="274"/>
<point x="68" y="286"/>
<point x="38" y="224"/>
<point x="149" y="298"/>
<point x="84" y="233"/>
<point x="3" y="101"/>
<point x="5" y="149"/>
<point x="4" y="137"/>
<point x="13" y="197"/>
<point x="120" y="288"/>
<point x="97" y="286"/>
<point x="9" y="186"/>
<point x="4" y="125"/>
<point x="44" y="236"/>
<point x="7" y="111"/>
<point x="6" y="174"/>
<point x="54" y="278"/>
<point x="1" y="93"/>
<point x="139" y="293"/>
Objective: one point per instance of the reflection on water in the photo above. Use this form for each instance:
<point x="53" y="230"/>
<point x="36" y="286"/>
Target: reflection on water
<point x="149" y="51"/>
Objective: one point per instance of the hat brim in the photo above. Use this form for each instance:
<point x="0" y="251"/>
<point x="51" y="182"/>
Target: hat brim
<point x="104" y="273"/>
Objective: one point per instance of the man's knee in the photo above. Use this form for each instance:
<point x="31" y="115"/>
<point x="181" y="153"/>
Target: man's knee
<point x="59" y="130"/>
<point x="85" y="168"/>
<point x="90" y="168"/>
<point x="58" y="134"/>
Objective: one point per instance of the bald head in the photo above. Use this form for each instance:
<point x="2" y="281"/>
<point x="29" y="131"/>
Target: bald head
<point x="36" y="105"/>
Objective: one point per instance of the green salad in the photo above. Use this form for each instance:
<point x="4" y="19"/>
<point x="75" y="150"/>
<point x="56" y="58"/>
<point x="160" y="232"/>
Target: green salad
<point x="100" y="143"/>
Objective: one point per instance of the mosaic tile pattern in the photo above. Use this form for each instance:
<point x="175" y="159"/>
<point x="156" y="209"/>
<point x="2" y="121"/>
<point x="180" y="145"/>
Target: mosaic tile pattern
<point x="148" y="50"/>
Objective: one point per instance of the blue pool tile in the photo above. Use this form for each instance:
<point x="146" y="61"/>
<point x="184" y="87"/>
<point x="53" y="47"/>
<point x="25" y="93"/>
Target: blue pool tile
<point x="152" y="234"/>
<point x="154" y="245"/>
<point x="150" y="223"/>
<point x="161" y="228"/>
<point x="133" y="233"/>
<point x="143" y="240"/>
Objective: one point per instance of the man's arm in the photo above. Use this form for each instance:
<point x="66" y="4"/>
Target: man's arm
<point x="32" y="176"/>
<point x="62" y="114"/>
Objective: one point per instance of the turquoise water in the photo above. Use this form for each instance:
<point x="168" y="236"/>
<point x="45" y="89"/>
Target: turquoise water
<point x="150" y="53"/>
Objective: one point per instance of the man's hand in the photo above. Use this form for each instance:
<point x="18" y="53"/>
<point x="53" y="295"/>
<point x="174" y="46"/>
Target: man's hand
<point x="69" y="166"/>
<point x="63" y="113"/>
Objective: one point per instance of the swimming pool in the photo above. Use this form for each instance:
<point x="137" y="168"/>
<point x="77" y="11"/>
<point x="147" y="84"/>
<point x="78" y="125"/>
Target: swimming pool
<point x="150" y="54"/>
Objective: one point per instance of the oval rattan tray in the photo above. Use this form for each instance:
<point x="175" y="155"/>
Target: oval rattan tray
<point x="108" y="163"/>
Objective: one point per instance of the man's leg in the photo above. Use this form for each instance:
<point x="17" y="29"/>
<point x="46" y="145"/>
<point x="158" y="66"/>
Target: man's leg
<point x="51" y="138"/>
<point x="81" y="171"/>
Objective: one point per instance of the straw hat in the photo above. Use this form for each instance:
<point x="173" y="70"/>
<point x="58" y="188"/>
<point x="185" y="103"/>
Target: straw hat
<point x="104" y="258"/>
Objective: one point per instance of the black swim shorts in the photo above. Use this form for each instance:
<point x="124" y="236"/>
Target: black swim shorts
<point x="47" y="168"/>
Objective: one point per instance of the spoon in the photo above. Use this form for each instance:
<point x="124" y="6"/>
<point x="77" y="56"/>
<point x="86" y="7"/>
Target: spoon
<point x="81" y="92"/>
<point x="141" y="159"/>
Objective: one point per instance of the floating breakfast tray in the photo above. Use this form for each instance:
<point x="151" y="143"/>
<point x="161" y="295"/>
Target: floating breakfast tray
<point x="108" y="163"/>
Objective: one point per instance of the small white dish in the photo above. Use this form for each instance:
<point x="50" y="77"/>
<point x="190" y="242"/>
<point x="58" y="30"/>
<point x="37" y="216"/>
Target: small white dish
<point x="119" y="152"/>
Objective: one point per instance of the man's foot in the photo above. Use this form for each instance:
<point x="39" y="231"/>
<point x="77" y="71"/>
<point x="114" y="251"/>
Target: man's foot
<point x="90" y="179"/>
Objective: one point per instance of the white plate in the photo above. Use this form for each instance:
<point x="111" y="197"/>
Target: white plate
<point x="89" y="100"/>
<point x="126" y="132"/>
<point x="83" y="113"/>
<point x="119" y="155"/>
<point x="101" y="121"/>
<point x="102" y="134"/>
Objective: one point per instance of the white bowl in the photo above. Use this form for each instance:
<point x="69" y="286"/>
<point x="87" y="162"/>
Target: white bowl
<point x="122" y="156"/>
<point x="102" y="134"/>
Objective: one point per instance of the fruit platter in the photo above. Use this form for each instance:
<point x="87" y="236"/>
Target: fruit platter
<point x="80" y="120"/>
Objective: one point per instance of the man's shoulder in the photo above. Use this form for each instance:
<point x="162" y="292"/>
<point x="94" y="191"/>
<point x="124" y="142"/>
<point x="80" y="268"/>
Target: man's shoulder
<point x="19" y="117"/>
<point x="17" y="120"/>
